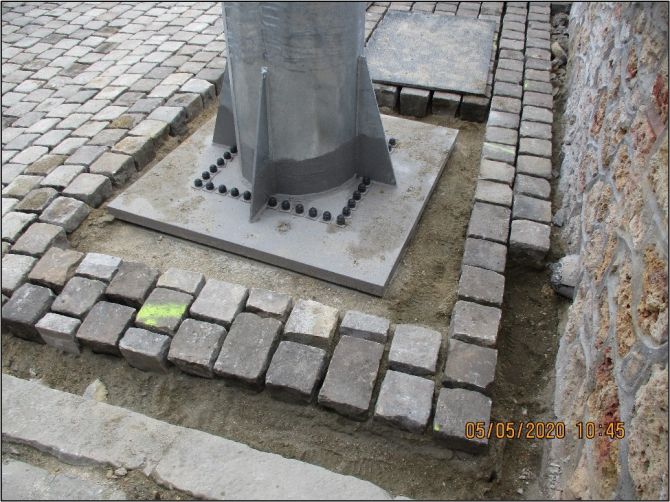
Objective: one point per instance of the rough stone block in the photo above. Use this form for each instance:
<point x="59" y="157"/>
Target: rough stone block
<point x="470" y="366"/>
<point x="535" y="130"/>
<point x="387" y="96"/>
<point x="534" y="166"/>
<point x="503" y="119"/>
<point x="529" y="242"/>
<point x="474" y="323"/>
<point x="145" y="350"/>
<point x="196" y="346"/>
<point x="140" y="148"/>
<point x="174" y="117"/>
<point x="93" y="189"/>
<point x="508" y="89"/>
<point x="312" y="323"/>
<point x="351" y="377"/>
<point x="59" y="331"/>
<point x="15" y="270"/>
<point x="190" y="103"/>
<point x="445" y="103"/>
<point x="474" y="108"/>
<point x="219" y="302"/>
<point x="24" y="309"/>
<point x="65" y="212"/>
<point x="78" y="297"/>
<point x="295" y="372"/>
<point x="56" y="267"/>
<point x="535" y="147"/>
<point x="532" y="186"/>
<point x="21" y="186"/>
<point x="132" y="283"/>
<point x="86" y="155"/>
<point x="163" y="310"/>
<point x="246" y="352"/>
<point x="505" y="104"/>
<point x="266" y="303"/>
<point x="535" y="114"/>
<point x="206" y="90"/>
<point x="510" y="76"/>
<point x="456" y="407"/>
<point x="500" y="172"/>
<point x="182" y="280"/>
<point x="366" y="326"/>
<point x="414" y="102"/>
<point x="485" y="254"/>
<point x="501" y="135"/>
<point x="117" y="167"/>
<point x="493" y="193"/>
<point x="489" y="222"/>
<point x="498" y="152"/>
<point x="62" y="176"/>
<point x="8" y="204"/>
<point x="565" y="275"/>
<point x="38" y="238"/>
<point x="481" y="286"/>
<point x="104" y="326"/>
<point x="414" y="349"/>
<point x="99" y="266"/>
<point x="541" y="75"/>
<point x="405" y="401"/>
<point x="36" y="200"/>
<point x="45" y="165"/>
<point x="530" y="208"/>
<point x="14" y="223"/>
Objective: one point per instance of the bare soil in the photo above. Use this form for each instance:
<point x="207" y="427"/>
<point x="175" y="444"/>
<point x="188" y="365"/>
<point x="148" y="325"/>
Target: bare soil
<point x="423" y="291"/>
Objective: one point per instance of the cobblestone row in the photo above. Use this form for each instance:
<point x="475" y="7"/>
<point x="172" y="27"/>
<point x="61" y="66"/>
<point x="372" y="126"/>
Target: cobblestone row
<point x="90" y="91"/>
<point x="511" y="213"/>
<point x="421" y="102"/>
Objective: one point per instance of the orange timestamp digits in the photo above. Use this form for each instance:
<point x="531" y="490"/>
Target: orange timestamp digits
<point x="541" y="430"/>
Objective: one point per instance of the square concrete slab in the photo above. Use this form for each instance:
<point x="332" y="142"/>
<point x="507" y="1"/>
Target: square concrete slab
<point x="361" y="255"/>
<point x="445" y="53"/>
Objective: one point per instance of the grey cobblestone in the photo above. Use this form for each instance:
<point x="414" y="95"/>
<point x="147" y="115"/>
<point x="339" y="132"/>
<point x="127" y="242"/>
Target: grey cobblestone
<point x="36" y="200"/>
<point x="65" y="212"/>
<point x="485" y="254"/>
<point x="474" y="323"/>
<point x="414" y="102"/>
<point x="530" y="208"/>
<point x="295" y="372"/>
<point x="117" y="167"/>
<point x="481" y="286"/>
<point x="469" y="366"/>
<point x="247" y="349"/>
<point x="140" y="148"/>
<point x="445" y="103"/>
<point x="145" y="350"/>
<point x="534" y="166"/>
<point x="104" y="326"/>
<point x="24" y="309"/>
<point x="532" y="186"/>
<point x="503" y="119"/>
<point x="93" y="189"/>
<point x="15" y="270"/>
<point x="490" y="222"/>
<point x="21" y="186"/>
<point x="163" y="310"/>
<point x="219" y="302"/>
<point x="14" y="223"/>
<point x="351" y="377"/>
<point x="506" y="136"/>
<point x="266" y="303"/>
<point x="55" y="268"/>
<point x="99" y="266"/>
<point x="405" y="401"/>
<point x="493" y="193"/>
<point x="38" y="238"/>
<point x="454" y="408"/>
<point x="78" y="297"/>
<point x="196" y="346"/>
<point x="182" y="280"/>
<point x="474" y="108"/>
<point x="62" y="176"/>
<point x="132" y="283"/>
<point x="414" y="349"/>
<point x="366" y="326"/>
<point x="492" y="170"/>
<point x="529" y="242"/>
<point x="312" y="323"/>
<point x="59" y="331"/>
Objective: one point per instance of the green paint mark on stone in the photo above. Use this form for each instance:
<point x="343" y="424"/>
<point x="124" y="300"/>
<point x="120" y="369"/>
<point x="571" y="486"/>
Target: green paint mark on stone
<point x="151" y="314"/>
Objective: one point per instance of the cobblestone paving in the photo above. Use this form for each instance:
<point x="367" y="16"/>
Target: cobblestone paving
<point x="90" y="91"/>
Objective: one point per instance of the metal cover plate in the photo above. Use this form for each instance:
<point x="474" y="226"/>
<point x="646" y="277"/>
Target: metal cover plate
<point x="429" y="51"/>
<point x="362" y="254"/>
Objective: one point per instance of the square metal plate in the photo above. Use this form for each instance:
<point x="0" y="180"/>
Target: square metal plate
<point x="362" y="254"/>
<point x="430" y="51"/>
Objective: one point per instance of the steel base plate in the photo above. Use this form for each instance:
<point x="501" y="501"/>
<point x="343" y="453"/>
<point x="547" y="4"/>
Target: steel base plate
<point x="362" y="254"/>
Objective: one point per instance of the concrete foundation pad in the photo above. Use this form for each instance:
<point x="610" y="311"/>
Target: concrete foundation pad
<point x="362" y="254"/>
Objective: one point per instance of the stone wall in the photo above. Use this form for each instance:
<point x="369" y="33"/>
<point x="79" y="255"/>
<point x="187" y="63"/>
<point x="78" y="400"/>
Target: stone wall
<point x="613" y="355"/>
